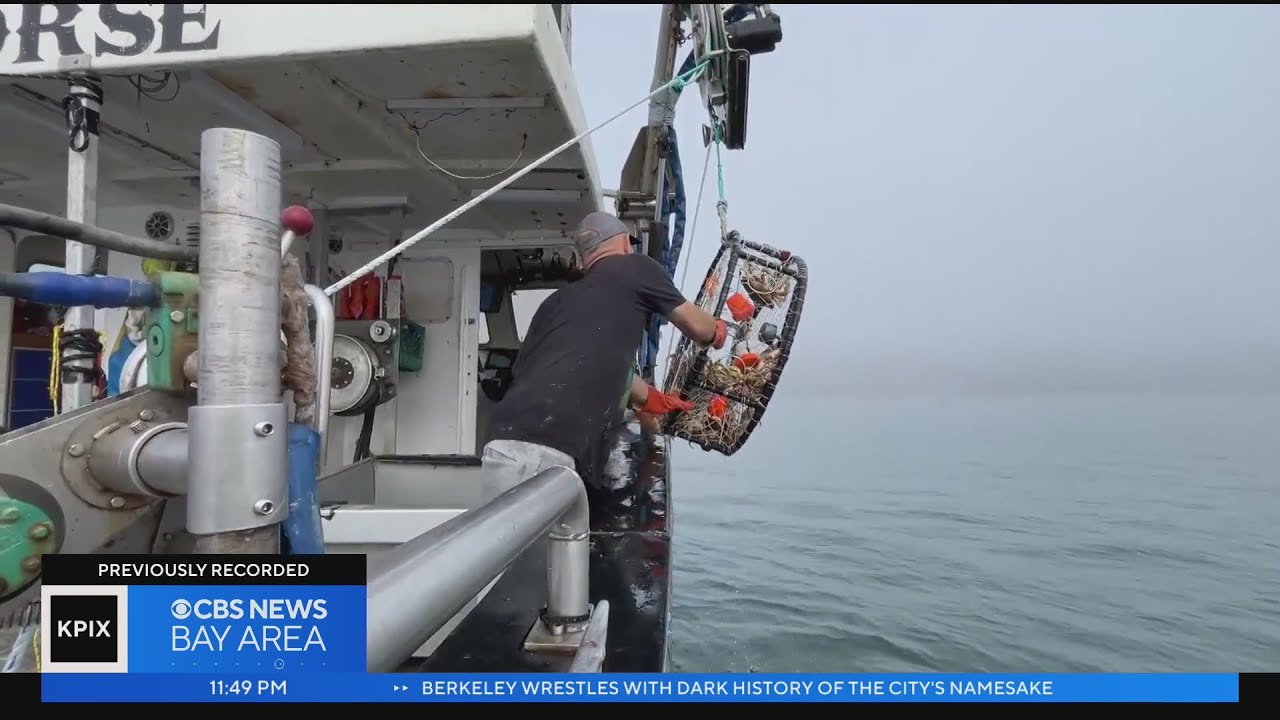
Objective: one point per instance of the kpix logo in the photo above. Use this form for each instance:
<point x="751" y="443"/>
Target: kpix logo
<point x="83" y="629"/>
<point x="181" y="609"/>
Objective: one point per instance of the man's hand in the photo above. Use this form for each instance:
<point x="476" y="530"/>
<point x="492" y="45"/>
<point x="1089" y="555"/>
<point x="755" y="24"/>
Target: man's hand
<point x="660" y="403"/>
<point x="649" y="423"/>
<point x="722" y="334"/>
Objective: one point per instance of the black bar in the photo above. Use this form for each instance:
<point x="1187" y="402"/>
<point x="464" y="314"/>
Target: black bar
<point x="341" y="569"/>
<point x="1260" y="688"/>
<point x="21" y="691"/>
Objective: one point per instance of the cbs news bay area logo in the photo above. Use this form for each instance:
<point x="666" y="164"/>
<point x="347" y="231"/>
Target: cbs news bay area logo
<point x="277" y="636"/>
<point x="87" y="629"/>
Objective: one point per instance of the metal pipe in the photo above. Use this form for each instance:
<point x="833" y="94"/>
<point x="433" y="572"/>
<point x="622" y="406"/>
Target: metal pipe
<point x="38" y="222"/>
<point x="419" y="586"/>
<point x="239" y="268"/>
<point x="161" y="462"/>
<point x="83" y="104"/>
<point x="238" y="491"/>
<point x="325" y="328"/>
<point x="568" y="564"/>
<point x="591" y="653"/>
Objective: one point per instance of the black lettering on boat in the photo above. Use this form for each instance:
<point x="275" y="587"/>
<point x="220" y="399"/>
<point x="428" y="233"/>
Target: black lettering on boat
<point x="136" y="24"/>
<point x="179" y="30"/>
<point x="173" y="21"/>
<point x="31" y="28"/>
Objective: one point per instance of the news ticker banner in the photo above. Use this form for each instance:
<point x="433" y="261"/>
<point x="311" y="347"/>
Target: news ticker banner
<point x="207" y="614"/>
<point x="743" y="688"/>
<point x="293" y="629"/>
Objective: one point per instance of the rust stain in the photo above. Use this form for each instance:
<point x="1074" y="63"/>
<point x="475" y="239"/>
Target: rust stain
<point x="243" y="88"/>
<point x="437" y="94"/>
<point x="500" y="95"/>
<point x="284" y="120"/>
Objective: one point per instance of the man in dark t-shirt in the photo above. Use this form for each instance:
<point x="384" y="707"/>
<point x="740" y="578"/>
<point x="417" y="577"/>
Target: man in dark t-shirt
<point x="576" y="365"/>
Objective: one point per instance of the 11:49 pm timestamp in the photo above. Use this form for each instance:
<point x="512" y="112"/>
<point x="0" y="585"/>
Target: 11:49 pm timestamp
<point x="247" y="687"/>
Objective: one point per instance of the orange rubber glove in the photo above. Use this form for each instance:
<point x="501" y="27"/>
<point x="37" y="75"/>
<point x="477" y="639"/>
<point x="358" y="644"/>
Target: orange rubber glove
<point x="722" y="333"/>
<point x="660" y="403"/>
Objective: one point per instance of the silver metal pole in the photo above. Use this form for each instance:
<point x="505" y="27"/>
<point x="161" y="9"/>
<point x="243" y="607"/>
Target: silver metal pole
<point x="651" y="182"/>
<point x="419" y="586"/>
<point x="84" y="103"/>
<point x="325" y="327"/>
<point x="568" y="565"/>
<point x="237" y="488"/>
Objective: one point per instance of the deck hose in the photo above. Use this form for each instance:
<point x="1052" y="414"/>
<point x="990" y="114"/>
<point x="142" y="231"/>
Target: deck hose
<point x="52" y="288"/>
<point x="301" y="533"/>
<point x="36" y="221"/>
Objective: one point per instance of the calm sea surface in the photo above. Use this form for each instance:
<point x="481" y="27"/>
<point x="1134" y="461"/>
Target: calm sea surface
<point x="1051" y="534"/>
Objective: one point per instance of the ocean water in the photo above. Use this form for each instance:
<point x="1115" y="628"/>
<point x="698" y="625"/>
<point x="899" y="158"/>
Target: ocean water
<point x="984" y="534"/>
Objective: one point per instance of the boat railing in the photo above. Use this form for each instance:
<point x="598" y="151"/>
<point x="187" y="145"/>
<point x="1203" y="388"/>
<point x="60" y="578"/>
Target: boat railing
<point x="417" y="587"/>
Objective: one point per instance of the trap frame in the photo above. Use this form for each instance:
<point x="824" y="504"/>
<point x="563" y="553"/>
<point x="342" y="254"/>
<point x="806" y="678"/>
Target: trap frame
<point x="730" y="388"/>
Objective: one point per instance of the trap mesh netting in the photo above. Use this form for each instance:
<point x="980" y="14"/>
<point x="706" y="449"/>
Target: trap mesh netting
<point x="759" y="292"/>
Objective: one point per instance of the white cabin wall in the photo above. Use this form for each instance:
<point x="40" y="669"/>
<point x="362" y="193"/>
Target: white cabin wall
<point x="437" y="410"/>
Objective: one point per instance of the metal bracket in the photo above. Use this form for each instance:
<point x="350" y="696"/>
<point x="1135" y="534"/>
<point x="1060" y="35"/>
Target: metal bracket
<point x="237" y="466"/>
<point x="550" y="637"/>
<point x="106" y="419"/>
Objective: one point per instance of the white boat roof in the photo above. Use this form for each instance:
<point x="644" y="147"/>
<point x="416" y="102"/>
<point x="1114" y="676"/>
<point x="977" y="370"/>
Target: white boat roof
<point x="350" y="91"/>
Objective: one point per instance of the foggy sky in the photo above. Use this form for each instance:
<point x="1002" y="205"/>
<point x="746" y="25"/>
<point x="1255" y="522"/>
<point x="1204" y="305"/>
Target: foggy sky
<point x="997" y="198"/>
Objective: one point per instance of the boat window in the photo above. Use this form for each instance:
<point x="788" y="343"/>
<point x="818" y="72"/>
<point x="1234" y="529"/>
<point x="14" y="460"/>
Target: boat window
<point x="524" y="303"/>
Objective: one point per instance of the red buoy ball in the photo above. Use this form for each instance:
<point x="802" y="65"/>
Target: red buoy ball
<point x="298" y="219"/>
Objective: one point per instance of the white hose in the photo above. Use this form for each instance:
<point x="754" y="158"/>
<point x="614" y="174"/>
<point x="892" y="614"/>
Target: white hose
<point x="134" y="372"/>
<point x="20" y="650"/>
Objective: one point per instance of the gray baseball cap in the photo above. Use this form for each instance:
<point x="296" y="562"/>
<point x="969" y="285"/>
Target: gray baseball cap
<point x="594" y="229"/>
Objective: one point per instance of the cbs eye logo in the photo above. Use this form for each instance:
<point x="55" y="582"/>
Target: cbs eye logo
<point x="180" y="609"/>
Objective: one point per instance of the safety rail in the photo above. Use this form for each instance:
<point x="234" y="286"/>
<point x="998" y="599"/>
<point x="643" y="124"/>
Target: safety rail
<point x="416" y="588"/>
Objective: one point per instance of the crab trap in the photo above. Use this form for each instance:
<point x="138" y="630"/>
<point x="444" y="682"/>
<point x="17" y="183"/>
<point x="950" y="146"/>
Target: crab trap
<point x="759" y="292"/>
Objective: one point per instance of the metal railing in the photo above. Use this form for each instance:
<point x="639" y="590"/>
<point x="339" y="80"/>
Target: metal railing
<point x="419" y="586"/>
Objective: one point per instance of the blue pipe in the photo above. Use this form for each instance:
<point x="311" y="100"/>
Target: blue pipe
<point x="99" y="291"/>
<point x="301" y="533"/>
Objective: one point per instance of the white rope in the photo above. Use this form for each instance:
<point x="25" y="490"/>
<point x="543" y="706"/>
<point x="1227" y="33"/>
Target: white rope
<point x="21" y="646"/>
<point x="384" y="257"/>
<point x="693" y="227"/>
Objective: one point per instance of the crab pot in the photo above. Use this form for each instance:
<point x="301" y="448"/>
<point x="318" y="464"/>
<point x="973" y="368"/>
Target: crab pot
<point x="731" y="387"/>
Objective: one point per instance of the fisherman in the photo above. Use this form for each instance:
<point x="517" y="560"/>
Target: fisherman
<point x="576" y="367"/>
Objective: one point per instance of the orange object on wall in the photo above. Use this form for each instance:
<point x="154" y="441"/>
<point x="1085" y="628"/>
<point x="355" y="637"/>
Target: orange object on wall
<point x="361" y="300"/>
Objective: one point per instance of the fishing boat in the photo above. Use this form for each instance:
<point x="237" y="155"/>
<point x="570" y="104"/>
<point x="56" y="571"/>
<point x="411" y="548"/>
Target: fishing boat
<point x="180" y="184"/>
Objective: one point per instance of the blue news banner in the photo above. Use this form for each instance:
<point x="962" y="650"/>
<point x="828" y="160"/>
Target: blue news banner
<point x="292" y="629"/>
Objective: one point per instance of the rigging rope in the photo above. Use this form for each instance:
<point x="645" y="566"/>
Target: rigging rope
<point x="677" y="82"/>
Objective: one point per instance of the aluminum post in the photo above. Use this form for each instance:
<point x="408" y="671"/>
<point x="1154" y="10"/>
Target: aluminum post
<point x="237" y="488"/>
<point x="84" y="103"/>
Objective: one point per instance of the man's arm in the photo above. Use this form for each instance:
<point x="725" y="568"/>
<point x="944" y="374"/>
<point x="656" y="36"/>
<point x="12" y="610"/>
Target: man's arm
<point x="639" y="392"/>
<point x="660" y="296"/>
<point x="697" y="324"/>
